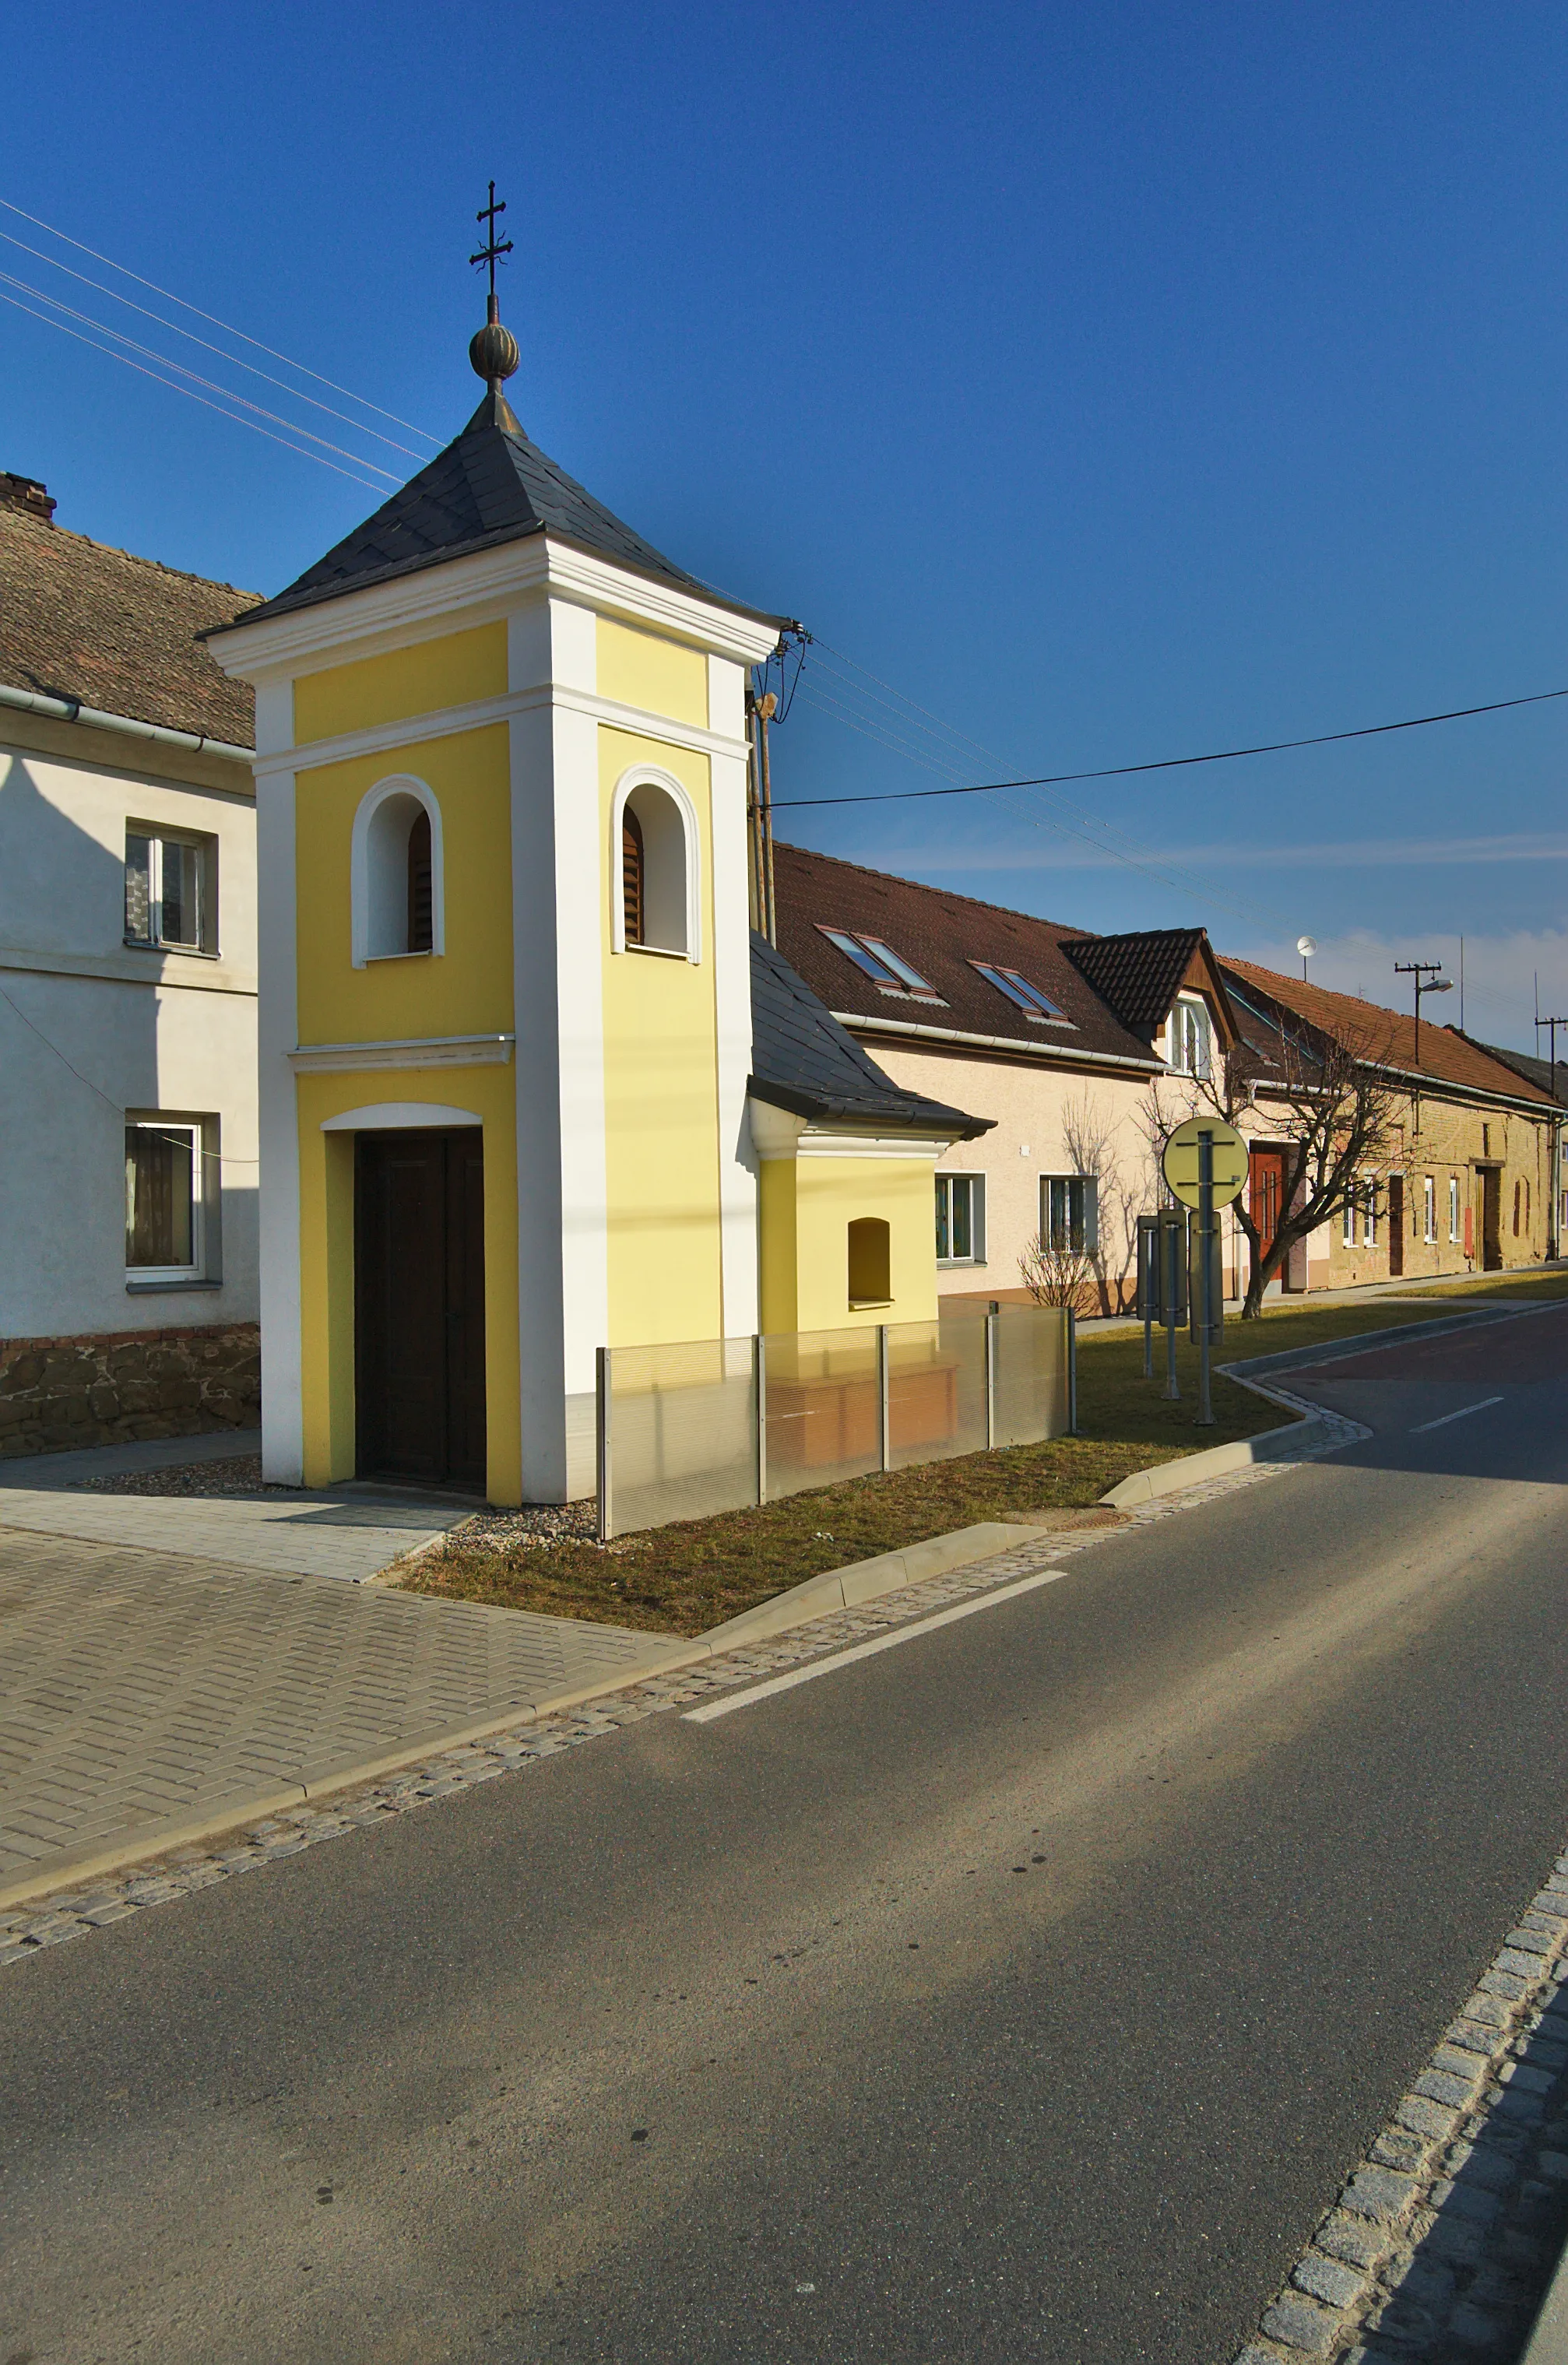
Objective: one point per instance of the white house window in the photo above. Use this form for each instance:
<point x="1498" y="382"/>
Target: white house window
<point x="164" y="1198"/>
<point x="1187" y="1030"/>
<point x="1453" y="1207"/>
<point x="1368" y="1217"/>
<point x="1430" y="1201"/>
<point x="655" y="853"/>
<point x="395" y="873"/>
<point x="1069" y="1212"/>
<point x="168" y="889"/>
<point x="961" y="1219"/>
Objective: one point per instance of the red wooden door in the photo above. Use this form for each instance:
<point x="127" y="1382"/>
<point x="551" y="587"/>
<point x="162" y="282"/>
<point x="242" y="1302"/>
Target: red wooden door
<point x="1265" y="1194"/>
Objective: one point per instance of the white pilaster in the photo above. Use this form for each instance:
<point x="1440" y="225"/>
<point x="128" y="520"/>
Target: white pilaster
<point x="732" y="982"/>
<point x="282" y="1414"/>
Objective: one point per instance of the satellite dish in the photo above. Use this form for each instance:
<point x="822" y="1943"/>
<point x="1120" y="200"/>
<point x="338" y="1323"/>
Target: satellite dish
<point x="1307" y="947"/>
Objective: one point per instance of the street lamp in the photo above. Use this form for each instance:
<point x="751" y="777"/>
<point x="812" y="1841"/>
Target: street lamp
<point x="1428" y="980"/>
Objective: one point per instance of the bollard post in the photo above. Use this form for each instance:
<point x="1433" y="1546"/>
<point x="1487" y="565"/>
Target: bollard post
<point x="1205" y="1272"/>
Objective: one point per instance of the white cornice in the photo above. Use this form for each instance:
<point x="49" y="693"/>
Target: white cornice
<point x="412" y="728"/>
<point x="1065" y="1054"/>
<point x="158" y="972"/>
<point x="456" y="593"/>
<point x="428" y="1051"/>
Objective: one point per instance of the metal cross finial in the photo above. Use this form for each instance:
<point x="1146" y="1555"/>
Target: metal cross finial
<point x="491" y="252"/>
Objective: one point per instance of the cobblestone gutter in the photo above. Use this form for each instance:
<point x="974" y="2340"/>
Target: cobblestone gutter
<point x="60" y="1393"/>
<point x="1444" y="2238"/>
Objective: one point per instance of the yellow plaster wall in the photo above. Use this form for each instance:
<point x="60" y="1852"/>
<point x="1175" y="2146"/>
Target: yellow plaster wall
<point x="806" y="1206"/>
<point x="419" y="679"/>
<point x="660" y="1098"/>
<point x="326" y="1260"/>
<point x="644" y="670"/>
<point x="467" y="989"/>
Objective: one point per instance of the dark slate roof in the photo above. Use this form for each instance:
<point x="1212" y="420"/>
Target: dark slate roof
<point x="1536" y="1071"/>
<point x="491" y="484"/>
<point x="80" y="621"/>
<point x="942" y="935"/>
<point x="803" y="1062"/>
<point x="1137" y="974"/>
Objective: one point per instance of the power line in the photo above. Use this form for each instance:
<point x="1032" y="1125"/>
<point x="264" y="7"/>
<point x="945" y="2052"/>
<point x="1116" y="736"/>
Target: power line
<point x="196" y="380"/>
<point x="226" y="326"/>
<point x="236" y="361"/>
<point x="157" y="375"/>
<point x="1176" y="763"/>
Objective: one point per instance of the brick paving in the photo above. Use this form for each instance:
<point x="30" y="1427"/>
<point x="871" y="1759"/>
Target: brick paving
<point x="141" y="1692"/>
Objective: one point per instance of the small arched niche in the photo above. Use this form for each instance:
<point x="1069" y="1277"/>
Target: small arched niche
<point x="870" y="1261"/>
<point x="395" y="873"/>
<point x="653" y="847"/>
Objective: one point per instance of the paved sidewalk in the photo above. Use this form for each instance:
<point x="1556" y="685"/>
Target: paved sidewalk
<point x="339" y="1531"/>
<point x="143" y="1696"/>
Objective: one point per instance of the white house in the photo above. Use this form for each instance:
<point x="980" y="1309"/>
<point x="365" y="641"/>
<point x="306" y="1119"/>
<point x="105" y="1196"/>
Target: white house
<point x="127" y="997"/>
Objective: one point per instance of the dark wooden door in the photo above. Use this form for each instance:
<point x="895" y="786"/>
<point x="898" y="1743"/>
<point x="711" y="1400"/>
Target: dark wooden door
<point x="1395" y="1225"/>
<point x="419" y="1306"/>
<point x="1265" y="1194"/>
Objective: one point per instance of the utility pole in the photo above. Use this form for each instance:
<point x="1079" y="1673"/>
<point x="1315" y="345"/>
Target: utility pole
<point x="1552" y="1026"/>
<point x="1421" y="971"/>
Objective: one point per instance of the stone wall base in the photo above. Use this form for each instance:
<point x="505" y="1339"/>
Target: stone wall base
<point x="56" y="1394"/>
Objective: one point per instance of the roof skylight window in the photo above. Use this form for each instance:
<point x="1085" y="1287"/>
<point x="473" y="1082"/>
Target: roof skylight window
<point x="1018" y="989"/>
<point x="878" y="961"/>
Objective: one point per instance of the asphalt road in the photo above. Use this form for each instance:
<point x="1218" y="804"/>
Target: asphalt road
<point x="1023" y="1992"/>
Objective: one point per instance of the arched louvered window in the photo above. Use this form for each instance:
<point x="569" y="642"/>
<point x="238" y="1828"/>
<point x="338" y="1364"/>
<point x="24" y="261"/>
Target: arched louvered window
<point x="422" y="906"/>
<point x="631" y="874"/>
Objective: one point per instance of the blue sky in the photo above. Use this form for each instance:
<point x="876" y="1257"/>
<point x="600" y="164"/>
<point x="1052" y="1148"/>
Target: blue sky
<point x="1113" y="383"/>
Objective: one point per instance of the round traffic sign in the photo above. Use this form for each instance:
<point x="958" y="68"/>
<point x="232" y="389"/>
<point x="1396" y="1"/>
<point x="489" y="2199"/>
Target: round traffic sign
<point x="1181" y="1160"/>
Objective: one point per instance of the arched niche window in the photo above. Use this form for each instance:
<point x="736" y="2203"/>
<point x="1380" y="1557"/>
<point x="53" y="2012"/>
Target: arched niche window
<point x="653" y="845"/>
<point x="394" y="873"/>
<point x="871" y="1262"/>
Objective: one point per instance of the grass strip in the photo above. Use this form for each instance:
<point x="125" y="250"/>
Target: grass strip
<point x="685" y="1578"/>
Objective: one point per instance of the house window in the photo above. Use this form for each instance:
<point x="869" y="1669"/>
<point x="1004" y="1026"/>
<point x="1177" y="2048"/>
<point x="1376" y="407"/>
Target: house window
<point x="1069" y="1212"/>
<point x="168" y="896"/>
<point x="1430" y="1197"/>
<point x="1369" y="1215"/>
<point x="1516" y="1211"/>
<point x="871" y="1262"/>
<point x="654" y="850"/>
<point x="890" y="971"/>
<point x="961" y="1219"/>
<point x="1028" y="998"/>
<point x="163" y="1198"/>
<point x="1453" y="1207"/>
<point x="1187" y="1030"/>
<point x="1347" y="1221"/>
<point x="394" y="873"/>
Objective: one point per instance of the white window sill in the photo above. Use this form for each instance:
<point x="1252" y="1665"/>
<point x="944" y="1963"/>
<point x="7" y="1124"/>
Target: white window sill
<point x="659" y="952"/>
<point x="959" y="1264"/>
<point x="428" y="954"/>
<point x="145" y="1284"/>
<point x="868" y="1304"/>
<point x="165" y="945"/>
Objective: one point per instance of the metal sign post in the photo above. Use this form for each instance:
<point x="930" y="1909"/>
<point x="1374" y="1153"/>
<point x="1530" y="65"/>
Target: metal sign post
<point x="1205" y="1164"/>
<point x="1172" y="1274"/>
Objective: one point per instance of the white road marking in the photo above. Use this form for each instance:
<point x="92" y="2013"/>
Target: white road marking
<point x="1443" y="1418"/>
<point x="869" y="1650"/>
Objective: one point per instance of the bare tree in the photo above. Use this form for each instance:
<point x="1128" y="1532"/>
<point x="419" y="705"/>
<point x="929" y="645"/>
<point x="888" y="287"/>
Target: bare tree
<point x="1055" y="1273"/>
<point x="1093" y="1150"/>
<point x="1328" y="1103"/>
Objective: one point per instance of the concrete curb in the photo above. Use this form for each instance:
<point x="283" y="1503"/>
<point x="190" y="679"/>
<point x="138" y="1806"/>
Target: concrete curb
<point x="1297" y="1441"/>
<point x="1368" y="1343"/>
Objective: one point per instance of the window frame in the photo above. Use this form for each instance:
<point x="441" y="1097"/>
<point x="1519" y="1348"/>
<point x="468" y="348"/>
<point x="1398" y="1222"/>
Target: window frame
<point x="652" y="776"/>
<point x="876" y="960"/>
<point x="1454" y="1229"/>
<point x="1192" y="1006"/>
<point x="156" y="835"/>
<point x="206" y="1200"/>
<point x="946" y="1178"/>
<point x="1429" y="1211"/>
<point x="364" y="855"/>
<point x="1025" y="996"/>
<point x="1088" y="1220"/>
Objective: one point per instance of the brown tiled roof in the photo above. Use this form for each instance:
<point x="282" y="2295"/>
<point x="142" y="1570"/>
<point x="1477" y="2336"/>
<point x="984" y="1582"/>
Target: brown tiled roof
<point x="940" y="935"/>
<point x="80" y="621"/>
<point x="1540" y="1072"/>
<point x="1388" y="1036"/>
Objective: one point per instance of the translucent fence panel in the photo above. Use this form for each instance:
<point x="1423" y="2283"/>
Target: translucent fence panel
<point x="823" y="1408"/>
<point x="1031" y="1374"/>
<point x="936" y="1388"/>
<point x="682" y="1432"/>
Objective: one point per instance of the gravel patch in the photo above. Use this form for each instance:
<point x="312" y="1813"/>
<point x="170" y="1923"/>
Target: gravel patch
<point x="240" y="1474"/>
